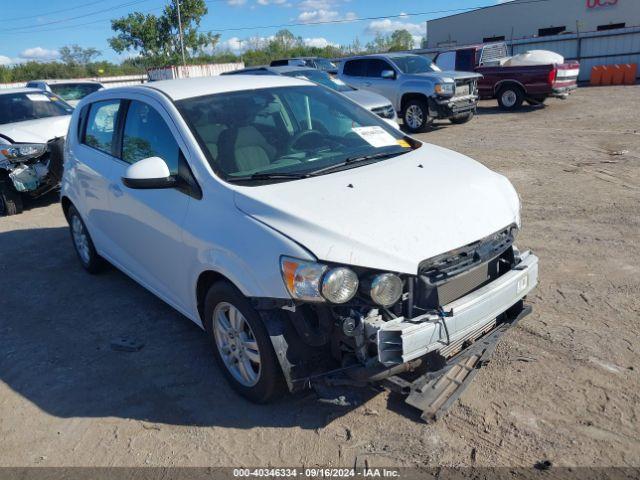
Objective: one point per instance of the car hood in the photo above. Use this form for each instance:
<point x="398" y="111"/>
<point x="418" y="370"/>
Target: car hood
<point x="446" y="74"/>
<point x="36" y="131"/>
<point x="390" y="215"/>
<point x="367" y="99"/>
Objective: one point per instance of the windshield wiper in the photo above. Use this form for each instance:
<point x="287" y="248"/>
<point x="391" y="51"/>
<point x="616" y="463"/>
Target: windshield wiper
<point x="356" y="159"/>
<point x="269" y="176"/>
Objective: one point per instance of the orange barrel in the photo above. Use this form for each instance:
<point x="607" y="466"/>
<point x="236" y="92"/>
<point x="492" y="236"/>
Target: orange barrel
<point x="630" y="74"/>
<point x="617" y="76"/>
<point x="596" y="75"/>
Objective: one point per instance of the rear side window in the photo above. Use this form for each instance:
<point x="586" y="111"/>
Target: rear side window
<point x="101" y="125"/>
<point x="146" y="134"/>
<point x="355" y="68"/>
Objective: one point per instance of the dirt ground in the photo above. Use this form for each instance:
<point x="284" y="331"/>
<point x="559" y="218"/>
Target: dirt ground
<point x="563" y="386"/>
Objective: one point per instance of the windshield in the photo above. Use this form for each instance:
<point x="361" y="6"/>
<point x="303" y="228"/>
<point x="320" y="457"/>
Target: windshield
<point x="286" y="131"/>
<point x="74" y="91"/>
<point x="324" y="64"/>
<point x="415" y="64"/>
<point x="19" y="107"/>
<point x="322" y="78"/>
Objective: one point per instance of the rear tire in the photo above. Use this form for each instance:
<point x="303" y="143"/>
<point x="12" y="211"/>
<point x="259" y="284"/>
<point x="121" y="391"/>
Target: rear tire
<point x="89" y="258"/>
<point x="510" y="97"/>
<point x="10" y="198"/>
<point x="415" y="116"/>
<point x="461" y="118"/>
<point x="241" y="344"/>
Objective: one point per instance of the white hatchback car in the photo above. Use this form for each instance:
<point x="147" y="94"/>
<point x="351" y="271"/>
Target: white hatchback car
<point x="310" y="239"/>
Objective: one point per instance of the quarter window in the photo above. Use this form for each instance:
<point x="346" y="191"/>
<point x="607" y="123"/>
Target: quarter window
<point x="101" y="125"/>
<point x="146" y="134"/>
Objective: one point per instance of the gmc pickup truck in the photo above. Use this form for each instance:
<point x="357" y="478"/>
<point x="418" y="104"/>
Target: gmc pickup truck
<point x="419" y="90"/>
<point x="512" y="80"/>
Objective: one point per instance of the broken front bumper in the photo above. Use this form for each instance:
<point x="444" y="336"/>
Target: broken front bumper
<point x="447" y="108"/>
<point x="459" y="322"/>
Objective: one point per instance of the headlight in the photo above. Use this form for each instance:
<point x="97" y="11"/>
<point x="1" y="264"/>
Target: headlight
<point x="314" y="282"/>
<point x="339" y="285"/>
<point x="22" y="152"/>
<point x="445" y="89"/>
<point x="386" y="289"/>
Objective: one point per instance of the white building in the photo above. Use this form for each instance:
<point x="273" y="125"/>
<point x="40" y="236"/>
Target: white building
<point x="532" y="18"/>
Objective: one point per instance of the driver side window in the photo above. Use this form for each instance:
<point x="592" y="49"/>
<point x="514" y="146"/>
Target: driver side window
<point x="147" y="135"/>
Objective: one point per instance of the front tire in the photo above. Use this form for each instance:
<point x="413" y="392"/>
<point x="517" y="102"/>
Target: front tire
<point x="415" y="116"/>
<point x="89" y="258"/>
<point x="10" y="198"/>
<point x="461" y="118"/>
<point x="510" y="97"/>
<point x="241" y="344"/>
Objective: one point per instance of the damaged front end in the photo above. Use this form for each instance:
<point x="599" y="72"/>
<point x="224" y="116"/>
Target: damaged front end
<point x="426" y="343"/>
<point x="33" y="169"/>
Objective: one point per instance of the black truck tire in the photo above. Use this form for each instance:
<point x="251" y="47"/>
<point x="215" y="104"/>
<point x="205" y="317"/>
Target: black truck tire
<point x="461" y="118"/>
<point x="415" y="115"/>
<point x="10" y="198"/>
<point x="510" y="97"/>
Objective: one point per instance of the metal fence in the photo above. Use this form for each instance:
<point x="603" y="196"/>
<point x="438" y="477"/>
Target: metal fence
<point x="607" y="47"/>
<point x="106" y="81"/>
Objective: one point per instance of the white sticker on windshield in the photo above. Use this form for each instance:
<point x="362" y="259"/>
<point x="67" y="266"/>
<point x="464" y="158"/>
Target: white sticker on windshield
<point x="337" y="81"/>
<point x="375" y="136"/>
<point x="38" y="97"/>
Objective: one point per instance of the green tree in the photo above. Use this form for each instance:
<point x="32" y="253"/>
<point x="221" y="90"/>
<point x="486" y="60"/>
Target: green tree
<point x="401" y="40"/>
<point x="158" y="36"/>
<point x="77" y="55"/>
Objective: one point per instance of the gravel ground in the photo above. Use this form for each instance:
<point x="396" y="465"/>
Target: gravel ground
<point x="563" y="385"/>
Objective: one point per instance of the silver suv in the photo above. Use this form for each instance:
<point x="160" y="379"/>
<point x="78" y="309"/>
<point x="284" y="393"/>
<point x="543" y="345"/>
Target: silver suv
<point x="419" y="90"/>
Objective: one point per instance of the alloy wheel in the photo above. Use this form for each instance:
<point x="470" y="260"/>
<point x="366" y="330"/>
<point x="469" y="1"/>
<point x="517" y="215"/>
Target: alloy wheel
<point x="414" y="116"/>
<point x="80" y="239"/>
<point x="237" y="344"/>
<point x="509" y="98"/>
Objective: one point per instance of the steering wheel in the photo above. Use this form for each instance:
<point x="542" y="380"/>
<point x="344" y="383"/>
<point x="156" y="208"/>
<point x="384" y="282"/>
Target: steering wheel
<point x="300" y="135"/>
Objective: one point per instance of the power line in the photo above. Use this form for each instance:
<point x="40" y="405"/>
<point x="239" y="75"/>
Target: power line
<point x="53" y="12"/>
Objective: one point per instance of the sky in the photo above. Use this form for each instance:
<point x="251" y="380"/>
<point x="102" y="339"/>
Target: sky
<point x="36" y="29"/>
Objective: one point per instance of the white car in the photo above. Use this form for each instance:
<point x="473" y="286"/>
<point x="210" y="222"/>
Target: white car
<point x="309" y="238"/>
<point x="71" y="91"/>
<point x="33" y="124"/>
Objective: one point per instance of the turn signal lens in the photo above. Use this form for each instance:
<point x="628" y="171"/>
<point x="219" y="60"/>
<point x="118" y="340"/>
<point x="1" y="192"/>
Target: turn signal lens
<point x="386" y="289"/>
<point x="302" y="279"/>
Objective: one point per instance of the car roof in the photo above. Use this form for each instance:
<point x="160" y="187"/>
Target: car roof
<point x="291" y="68"/>
<point x="4" y="91"/>
<point x="197" y="87"/>
<point x="381" y="55"/>
<point x="56" y="81"/>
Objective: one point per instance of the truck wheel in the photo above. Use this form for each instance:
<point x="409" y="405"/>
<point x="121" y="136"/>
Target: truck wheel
<point x="416" y="116"/>
<point x="10" y="198"/>
<point x="241" y="344"/>
<point x="89" y="258"/>
<point x="510" y="97"/>
<point x="461" y="118"/>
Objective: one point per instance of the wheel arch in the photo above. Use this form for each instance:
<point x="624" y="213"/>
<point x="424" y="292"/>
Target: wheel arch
<point x="502" y="83"/>
<point x="66" y="205"/>
<point x="205" y="280"/>
<point x="407" y="97"/>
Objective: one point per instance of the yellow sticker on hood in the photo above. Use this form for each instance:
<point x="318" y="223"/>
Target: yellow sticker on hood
<point x="403" y="143"/>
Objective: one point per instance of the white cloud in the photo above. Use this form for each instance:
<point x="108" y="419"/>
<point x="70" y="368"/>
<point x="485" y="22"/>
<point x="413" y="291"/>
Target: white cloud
<point x="5" y="60"/>
<point x="236" y="3"/>
<point x="319" y="42"/>
<point x="39" y="54"/>
<point x="387" y="26"/>
<point x="272" y="2"/>
<point x="318" y="16"/>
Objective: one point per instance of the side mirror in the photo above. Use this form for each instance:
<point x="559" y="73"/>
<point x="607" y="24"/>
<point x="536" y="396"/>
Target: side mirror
<point x="388" y="74"/>
<point x="149" y="173"/>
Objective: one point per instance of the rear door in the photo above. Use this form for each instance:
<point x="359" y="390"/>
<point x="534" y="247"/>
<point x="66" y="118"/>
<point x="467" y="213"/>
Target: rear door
<point x="146" y="225"/>
<point x="93" y="159"/>
<point x="354" y="72"/>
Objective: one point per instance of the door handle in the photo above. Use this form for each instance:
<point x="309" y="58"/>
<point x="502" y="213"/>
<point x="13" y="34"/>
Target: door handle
<point x="116" y="190"/>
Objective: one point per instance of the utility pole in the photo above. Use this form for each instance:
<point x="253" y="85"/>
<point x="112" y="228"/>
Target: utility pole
<point x="184" y="60"/>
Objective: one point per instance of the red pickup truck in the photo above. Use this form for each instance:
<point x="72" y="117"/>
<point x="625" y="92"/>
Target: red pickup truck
<point x="506" y="80"/>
